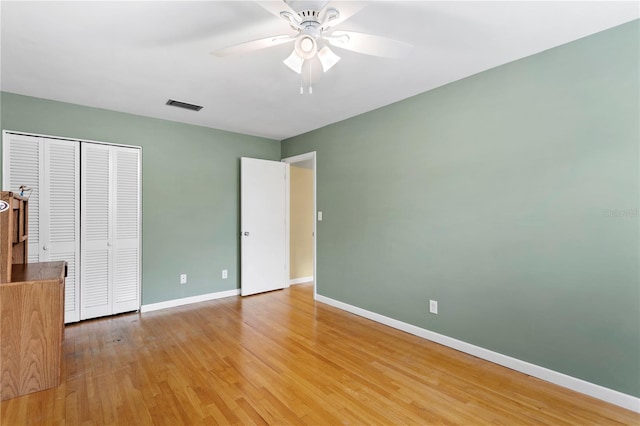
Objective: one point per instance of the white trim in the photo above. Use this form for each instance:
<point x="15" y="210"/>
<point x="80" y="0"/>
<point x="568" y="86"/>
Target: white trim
<point x="609" y="395"/>
<point x="188" y="300"/>
<point x="287" y="222"/>
<point x="68" y="138"/>
<point x="296" y="159"/>
<point x="301" y="280"/>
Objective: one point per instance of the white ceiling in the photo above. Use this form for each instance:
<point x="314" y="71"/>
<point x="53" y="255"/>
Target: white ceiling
<point x="134" y="56"/>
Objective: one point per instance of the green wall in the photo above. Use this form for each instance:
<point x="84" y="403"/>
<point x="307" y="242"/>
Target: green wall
<point x="190" y="180"/>
<point x="511" y="197"/>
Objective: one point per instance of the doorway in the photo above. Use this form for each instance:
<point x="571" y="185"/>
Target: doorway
<point x="302" y="232"/>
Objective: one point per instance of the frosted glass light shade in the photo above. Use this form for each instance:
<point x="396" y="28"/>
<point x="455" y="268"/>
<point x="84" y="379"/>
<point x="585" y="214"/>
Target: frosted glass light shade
<point x="294" y="62"/>
<point x="305" y="46"/>
<point x="327" y="58"/>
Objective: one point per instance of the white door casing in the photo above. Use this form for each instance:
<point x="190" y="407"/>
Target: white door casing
<point x="263" y="228"/>
<point x="309" y="156"/>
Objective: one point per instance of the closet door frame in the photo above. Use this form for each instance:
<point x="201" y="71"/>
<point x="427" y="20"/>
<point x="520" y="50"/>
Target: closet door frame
<point x="103" y="249"/>
<point x="5" y="175"/>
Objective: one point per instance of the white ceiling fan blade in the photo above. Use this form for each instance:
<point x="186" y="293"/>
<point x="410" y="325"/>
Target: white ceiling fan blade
<point x="282" y="10"/>
<point x="327" y="58"/>
<point x="253" y="45"/>
<point x="369" y="44"/>
<point x="346" y="9"/>
<point x="328" y="17"/>
<point x="294" y="62"/>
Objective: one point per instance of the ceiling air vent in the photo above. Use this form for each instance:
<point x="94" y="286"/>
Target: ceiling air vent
<point x="184" y="105"/>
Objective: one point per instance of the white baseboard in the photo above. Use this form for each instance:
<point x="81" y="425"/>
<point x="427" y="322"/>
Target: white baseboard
<point x="301" y="280"/>
<point x="187" y="300"/>
<point x="609" y="395"/>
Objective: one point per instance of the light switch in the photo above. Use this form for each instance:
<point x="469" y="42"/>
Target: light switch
<point x="319" y="216"/>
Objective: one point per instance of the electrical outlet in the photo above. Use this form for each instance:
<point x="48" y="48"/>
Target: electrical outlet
<point x="225" y="274"/>
<point x="183" y="278"/>
<point x="433" y="306"/>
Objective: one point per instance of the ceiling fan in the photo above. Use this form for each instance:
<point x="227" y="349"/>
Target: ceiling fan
<point x="313" y="23"/>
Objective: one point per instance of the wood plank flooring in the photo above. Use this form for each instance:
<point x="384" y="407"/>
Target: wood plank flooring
<point x="281" y="358"/>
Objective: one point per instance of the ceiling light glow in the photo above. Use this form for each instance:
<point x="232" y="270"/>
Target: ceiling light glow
<point x="305" y="46"/>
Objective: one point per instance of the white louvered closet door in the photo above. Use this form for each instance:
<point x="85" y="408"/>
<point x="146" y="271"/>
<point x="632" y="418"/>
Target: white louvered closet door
<point x="126" y="229"/>
<point x="95" y="281"/>
<point x="59" y="220"/>
<point x="50" y="167"/>
<point x="21" y="159"/>
<point x="110" y="228"/>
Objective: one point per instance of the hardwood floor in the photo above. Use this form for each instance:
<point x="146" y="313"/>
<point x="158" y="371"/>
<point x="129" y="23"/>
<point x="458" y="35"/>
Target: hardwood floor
<point x="281" y="358"/>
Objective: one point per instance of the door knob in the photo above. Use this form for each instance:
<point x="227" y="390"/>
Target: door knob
<point x="45" y="247"/>
<point x="246" y="234"/>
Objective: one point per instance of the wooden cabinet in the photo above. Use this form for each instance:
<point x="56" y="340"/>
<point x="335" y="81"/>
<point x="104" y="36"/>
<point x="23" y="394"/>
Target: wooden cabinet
<point x="31" y="328"/>
<point x="31" y="308"/>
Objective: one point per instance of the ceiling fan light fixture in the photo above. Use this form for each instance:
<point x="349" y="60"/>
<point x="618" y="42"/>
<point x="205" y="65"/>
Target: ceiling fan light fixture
<point x="311" y="19"/>
<point x="305" y="46"/>
<point x="294" y="62"/>
<point x="327" y="58"/>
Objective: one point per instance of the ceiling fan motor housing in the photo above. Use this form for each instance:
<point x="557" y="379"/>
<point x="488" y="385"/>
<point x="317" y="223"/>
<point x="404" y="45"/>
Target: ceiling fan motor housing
<point x="309" y="16"/>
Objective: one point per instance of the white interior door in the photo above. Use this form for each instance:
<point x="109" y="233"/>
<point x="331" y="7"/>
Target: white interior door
<point x="126" y="229"/>
<point x="109" y="280"/>
<point x="50" y="168"/>
<point x="95" y="219"/>
<point x="22" y="166"/>
<point x="59" y="216"/>
<point x="263" y="227"/>
<point x="110" y="230"/>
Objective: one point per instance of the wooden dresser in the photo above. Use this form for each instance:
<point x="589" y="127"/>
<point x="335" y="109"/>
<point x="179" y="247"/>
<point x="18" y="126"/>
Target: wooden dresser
<point x="31" y="311"/>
